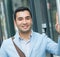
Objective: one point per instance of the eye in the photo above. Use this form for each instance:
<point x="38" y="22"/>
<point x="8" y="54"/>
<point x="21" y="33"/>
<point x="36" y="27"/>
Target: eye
<point x="28" y="17"/>
<point x="20" y="18"/>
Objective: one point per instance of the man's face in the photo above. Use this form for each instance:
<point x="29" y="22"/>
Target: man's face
<point x="23" y="21"/>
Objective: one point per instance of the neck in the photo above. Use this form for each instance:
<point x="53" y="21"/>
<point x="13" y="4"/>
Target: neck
<point x="25" y="35"/>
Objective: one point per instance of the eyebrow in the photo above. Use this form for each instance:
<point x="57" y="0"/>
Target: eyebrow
<point x="25" y="17"/>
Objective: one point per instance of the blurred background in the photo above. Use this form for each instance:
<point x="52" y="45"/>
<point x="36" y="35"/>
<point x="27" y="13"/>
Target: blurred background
<point x="43" y="14"/>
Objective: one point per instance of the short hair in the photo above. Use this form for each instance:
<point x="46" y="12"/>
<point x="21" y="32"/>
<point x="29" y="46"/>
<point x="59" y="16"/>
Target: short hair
<point x="21" y="9"/>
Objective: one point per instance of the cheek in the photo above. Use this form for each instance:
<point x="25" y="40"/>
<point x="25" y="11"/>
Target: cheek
<point x="30" y="22"/>
<point x="19" y="22"/>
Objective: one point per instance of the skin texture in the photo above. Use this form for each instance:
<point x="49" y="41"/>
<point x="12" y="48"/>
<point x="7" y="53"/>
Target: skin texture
<point x="57" y="26"/>
<point x="24" y="23"/>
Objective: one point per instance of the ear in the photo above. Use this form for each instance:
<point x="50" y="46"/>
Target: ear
<point x="14" y="22"/>
<point x="16" y="29"/>
<point x="56" y="18"/>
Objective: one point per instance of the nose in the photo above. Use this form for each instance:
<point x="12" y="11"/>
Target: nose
<point x="24" y="21"/>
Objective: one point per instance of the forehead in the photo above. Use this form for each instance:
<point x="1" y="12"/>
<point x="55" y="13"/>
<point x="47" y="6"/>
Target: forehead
<point x="23" y="13"/>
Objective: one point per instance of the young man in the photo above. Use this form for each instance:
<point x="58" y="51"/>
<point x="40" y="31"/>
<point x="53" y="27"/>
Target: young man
<point x="31" y="43"/>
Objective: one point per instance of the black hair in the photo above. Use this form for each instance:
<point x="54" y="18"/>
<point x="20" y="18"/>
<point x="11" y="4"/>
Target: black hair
<point x="21" y="9"/>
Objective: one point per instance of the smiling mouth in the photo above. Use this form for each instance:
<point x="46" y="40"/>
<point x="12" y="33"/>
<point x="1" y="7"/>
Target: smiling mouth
<point x="25" y="27"/>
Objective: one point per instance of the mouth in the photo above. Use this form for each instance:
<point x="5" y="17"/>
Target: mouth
<point x="25" y="27"/>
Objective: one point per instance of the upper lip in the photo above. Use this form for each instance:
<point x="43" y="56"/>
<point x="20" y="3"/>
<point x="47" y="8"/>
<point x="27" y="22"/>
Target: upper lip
<point x="25" y="26"/>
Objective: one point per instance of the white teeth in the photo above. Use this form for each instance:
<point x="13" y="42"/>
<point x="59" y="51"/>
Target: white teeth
<point x="24" y="26"/>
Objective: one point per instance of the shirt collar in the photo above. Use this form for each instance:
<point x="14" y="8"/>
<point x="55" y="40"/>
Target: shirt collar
<point x="18" y="36"/>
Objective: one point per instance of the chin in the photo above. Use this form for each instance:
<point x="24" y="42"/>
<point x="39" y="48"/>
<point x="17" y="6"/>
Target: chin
<point x="25" y="31"/>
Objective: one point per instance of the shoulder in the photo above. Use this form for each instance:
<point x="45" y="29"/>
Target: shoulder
<point x="6" y="42"/>
<point x="43" y="35"/>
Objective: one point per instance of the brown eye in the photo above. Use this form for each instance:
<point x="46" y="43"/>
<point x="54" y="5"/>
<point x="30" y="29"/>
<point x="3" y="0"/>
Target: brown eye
<point x="28" y="17"/>
<point x="20" y="18"/>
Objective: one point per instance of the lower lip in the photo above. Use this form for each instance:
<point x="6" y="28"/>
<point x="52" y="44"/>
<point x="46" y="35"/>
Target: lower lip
<point x="25" y="27"/>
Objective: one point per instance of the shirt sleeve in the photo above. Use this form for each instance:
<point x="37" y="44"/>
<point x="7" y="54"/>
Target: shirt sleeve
<point x="53" y="47"/>
<point x="2" y="51"/>
<point x="59" y="45"/>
